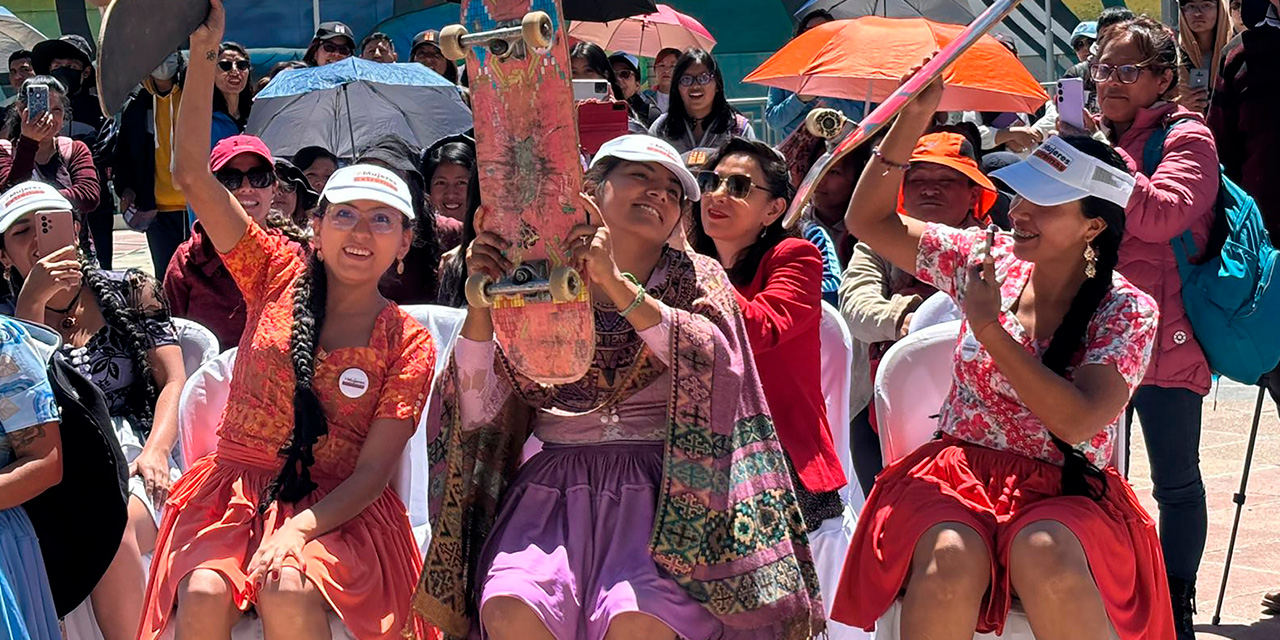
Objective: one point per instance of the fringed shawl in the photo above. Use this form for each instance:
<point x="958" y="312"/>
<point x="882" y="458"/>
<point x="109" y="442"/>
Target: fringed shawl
<point x="727" y="526"/>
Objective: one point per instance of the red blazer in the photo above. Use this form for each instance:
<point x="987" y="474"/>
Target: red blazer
<point x="783" y="311"/>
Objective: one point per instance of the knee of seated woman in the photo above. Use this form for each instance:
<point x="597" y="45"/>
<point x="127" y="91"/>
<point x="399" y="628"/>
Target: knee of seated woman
<point x="952" y="557"/>
<point x="293" y="589"/>
<point x="203" y="586"/>
<point x="1050" y="558"/>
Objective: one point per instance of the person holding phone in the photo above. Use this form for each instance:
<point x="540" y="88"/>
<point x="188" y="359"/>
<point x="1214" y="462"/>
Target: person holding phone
<point x="116" y="330"/>
<point x="36" y="151"/>
<point x="1204" y="29"/>
<point x="1017" y="494"/>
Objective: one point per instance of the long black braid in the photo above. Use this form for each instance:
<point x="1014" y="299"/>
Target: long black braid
<point x="309" y="425"/>
<point x="1077" y="471"/>
<point x="126" y="317"/>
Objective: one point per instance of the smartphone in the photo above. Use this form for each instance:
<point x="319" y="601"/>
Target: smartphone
<point x="591" y="90"/>
<point x="1199" y="79"/>
<point x="54" y="230"/>
<point x="37" y="99"/>
<point x="1070" y="101"/>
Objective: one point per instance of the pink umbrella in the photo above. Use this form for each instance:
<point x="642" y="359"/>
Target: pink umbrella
<point x="646" y="35"/>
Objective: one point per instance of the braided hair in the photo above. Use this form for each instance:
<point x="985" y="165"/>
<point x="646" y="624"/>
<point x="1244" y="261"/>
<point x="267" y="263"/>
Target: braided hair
<point x="127" y="319"/>
<point x="1077" y="471"/>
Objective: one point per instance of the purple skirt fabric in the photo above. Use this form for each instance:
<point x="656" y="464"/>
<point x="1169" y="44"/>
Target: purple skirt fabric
<point x="572" y="542"/>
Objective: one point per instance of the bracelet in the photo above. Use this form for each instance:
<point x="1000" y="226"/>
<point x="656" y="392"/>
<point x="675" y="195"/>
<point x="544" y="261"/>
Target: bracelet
<point x="979" y="330"/>
<point x="875" y="151"/>
<point x="639" y="295"/>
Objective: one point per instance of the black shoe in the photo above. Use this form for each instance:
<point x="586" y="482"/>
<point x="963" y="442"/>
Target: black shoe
<point x="1183" y="594"/>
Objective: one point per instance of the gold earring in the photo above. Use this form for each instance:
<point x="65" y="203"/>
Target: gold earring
<point x="1090" y="261"/>
<point x="399" y="267"/>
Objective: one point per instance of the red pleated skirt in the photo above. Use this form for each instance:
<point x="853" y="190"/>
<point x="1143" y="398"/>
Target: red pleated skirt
<point x="997" y="493"/>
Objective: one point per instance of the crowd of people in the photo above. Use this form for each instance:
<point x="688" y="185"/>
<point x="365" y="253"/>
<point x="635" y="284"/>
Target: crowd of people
<point x="690" y="484"/>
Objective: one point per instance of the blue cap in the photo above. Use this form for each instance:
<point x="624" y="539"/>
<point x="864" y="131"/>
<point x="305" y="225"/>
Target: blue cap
<point x="1084" y="30"/>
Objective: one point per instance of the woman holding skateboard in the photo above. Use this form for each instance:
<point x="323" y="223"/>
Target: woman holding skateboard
<point x="292" y="514"/>
<point x="624" y="522"/>
<point x="1017" y="496"/>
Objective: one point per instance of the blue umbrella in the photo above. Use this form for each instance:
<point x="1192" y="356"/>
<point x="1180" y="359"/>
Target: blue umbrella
<point x="342" y="105"/>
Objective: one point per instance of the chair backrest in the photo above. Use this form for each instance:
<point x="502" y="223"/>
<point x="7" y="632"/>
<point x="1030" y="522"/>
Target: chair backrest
<point x="936" y="309"/>
<point x="200" y="407"/>
<point x="444" y="323"/>
<point x="198" y="343"/>
<point x="837" y="362"/>
<point x="912" y="382"/>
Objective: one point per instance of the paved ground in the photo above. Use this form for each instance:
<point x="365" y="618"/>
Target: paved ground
<point x="1228" y="414"/>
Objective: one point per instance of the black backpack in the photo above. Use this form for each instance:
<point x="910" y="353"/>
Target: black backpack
<point x="81" y="520"/>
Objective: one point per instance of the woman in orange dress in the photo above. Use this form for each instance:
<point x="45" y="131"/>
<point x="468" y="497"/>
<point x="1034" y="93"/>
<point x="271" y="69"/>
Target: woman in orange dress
<point x="292" y="514"/>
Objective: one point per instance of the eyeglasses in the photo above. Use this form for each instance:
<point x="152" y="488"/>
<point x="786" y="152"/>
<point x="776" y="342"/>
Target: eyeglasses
<point x="701" y="79"/>
<point x="1124" y="74"/>
<point x="228" y="65"/>
<point x="340" y="49"/>
<point x="737" y="186"/>
<point x="379" y="222"/>
<point x="1202" y="6"/>
<point x="665" y="66"/>
<point x="258" y="178"/>
<point x="625" y="74"/>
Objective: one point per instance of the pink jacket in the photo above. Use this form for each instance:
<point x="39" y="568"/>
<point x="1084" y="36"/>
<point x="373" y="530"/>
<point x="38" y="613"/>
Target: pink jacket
<point x="1180" y="195"/>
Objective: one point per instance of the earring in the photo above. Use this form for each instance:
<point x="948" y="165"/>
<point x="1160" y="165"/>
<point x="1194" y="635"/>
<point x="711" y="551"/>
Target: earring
<point x="1090" y="261"/>
<point x="764" y="230"/>
<point x="399" y="267"/>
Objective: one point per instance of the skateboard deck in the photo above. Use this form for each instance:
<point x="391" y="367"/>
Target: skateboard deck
<point x="527" y="150"/>
<point x="884" y="113"/>
<point x="135" y="38"/>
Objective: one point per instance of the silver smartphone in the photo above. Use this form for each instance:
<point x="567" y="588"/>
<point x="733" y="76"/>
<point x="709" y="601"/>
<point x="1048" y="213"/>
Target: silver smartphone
<point x="1199" y="79"/>
<point x="591" y="90"/>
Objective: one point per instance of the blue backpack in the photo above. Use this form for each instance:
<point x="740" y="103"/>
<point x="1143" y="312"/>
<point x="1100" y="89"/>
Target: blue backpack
<point x="1228" y="292"/>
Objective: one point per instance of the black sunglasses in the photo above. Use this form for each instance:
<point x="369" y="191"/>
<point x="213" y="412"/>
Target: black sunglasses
<point x="227" y="65"/>
<point x="737" y="186"/>
<point x="258" y="178"/>
<point x="330" y="47"/>
<point x="625" y="74"/>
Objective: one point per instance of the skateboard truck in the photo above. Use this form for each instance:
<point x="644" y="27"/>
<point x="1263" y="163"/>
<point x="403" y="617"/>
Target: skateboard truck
<point x="535" y="31"/>
<point x="530" y="278"/>
<point x="825" y="123"/>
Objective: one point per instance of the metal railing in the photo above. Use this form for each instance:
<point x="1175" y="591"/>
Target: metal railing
<point x="753" y="109"/>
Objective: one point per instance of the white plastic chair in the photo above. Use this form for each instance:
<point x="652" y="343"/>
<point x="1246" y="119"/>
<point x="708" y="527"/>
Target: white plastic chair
<point x="911" y="384"/>
<point x="198" y="343"/>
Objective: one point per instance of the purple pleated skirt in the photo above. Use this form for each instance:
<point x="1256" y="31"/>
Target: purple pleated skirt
<point x="572" y="542"/>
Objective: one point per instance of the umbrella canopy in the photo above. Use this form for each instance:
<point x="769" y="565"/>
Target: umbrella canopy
<point x="866" y="58"/>
<point x="646" y="35"/>
<point x="949" y="11"/>
<point x="587" y="10"/>
<point x="338" y="106"/>
<point x="16" y="35"/>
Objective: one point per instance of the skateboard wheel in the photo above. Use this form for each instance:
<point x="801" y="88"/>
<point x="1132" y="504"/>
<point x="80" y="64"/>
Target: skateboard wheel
<point x="537" y="30"/>
<point x="565" y="284"/>
<point x="824" y="123"/>
<point x="451" y="41"/>
<point x="477" y="291"/>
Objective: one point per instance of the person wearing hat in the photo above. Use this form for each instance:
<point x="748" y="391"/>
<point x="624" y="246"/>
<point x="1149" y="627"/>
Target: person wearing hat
<point x="330" y="381"/>
<point x="117" y="331"/>
<point x="378" y="47"/>
<point x="294" y="199"/>
<point x="576" y="545"/>
<point x="333" y="42"/>
<point x="197" y="284"/>
<point x="942" y="186"/>
<point x="30" y="463"/>
<point x="626" y="68"/>
<point x="70" y="60"/>
<point x="1017" y="495"/>
<point x="1082" y="39"/>
<point x="426" y="52"/>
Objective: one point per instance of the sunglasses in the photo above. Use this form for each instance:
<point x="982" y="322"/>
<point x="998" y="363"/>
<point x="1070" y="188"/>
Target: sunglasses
<point x="340" y="49"/>
<point x="380" y="223"/>
<point x="1124" y="74"/>
<point x="285" y="186"/>
<point x="258" y="178"/>
<point x="625" y="74"/>
<point x="701" y="79"/>
<point x="737" y="186"/>
<point x="228" y="65"/>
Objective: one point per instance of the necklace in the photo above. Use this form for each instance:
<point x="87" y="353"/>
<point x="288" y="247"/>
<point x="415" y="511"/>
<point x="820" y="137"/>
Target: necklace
<point x="69" y="321"/>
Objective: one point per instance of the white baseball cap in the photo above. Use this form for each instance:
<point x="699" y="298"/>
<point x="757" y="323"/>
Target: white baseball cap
<point x="638" y="147"/>
<point x="1058" y="173"/>
<point x="369" y="182"/>
<point x="29" y="197"/>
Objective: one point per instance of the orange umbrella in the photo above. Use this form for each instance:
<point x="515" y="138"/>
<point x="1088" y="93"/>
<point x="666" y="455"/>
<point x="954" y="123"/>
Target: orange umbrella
<point x="867" y="57"/>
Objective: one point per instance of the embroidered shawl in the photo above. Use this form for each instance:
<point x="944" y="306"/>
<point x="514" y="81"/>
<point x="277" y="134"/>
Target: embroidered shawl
<point x="727" y="528"/>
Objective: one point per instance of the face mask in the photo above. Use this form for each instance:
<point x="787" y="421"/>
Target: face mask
<point x="167" y="69"/>
<point x="69" y="77"/>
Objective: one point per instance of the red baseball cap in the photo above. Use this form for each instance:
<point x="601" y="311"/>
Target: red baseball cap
<point x="228" y="148"/>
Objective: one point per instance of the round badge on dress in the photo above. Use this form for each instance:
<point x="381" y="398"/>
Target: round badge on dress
<point x="1180" y="337"/>
<point x="353" y="383"/>
<point x="969" y="347"/>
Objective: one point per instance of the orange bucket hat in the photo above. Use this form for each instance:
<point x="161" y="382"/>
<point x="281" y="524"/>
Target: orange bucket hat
<point x="954" y="151"/>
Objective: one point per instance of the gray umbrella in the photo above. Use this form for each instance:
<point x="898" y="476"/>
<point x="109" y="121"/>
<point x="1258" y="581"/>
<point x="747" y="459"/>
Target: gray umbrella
<point x="949" y="11"/>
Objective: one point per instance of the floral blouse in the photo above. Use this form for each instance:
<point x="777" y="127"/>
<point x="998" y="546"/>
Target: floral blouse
<point x="983" y="406"/>
<point x="26" y="398"/>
